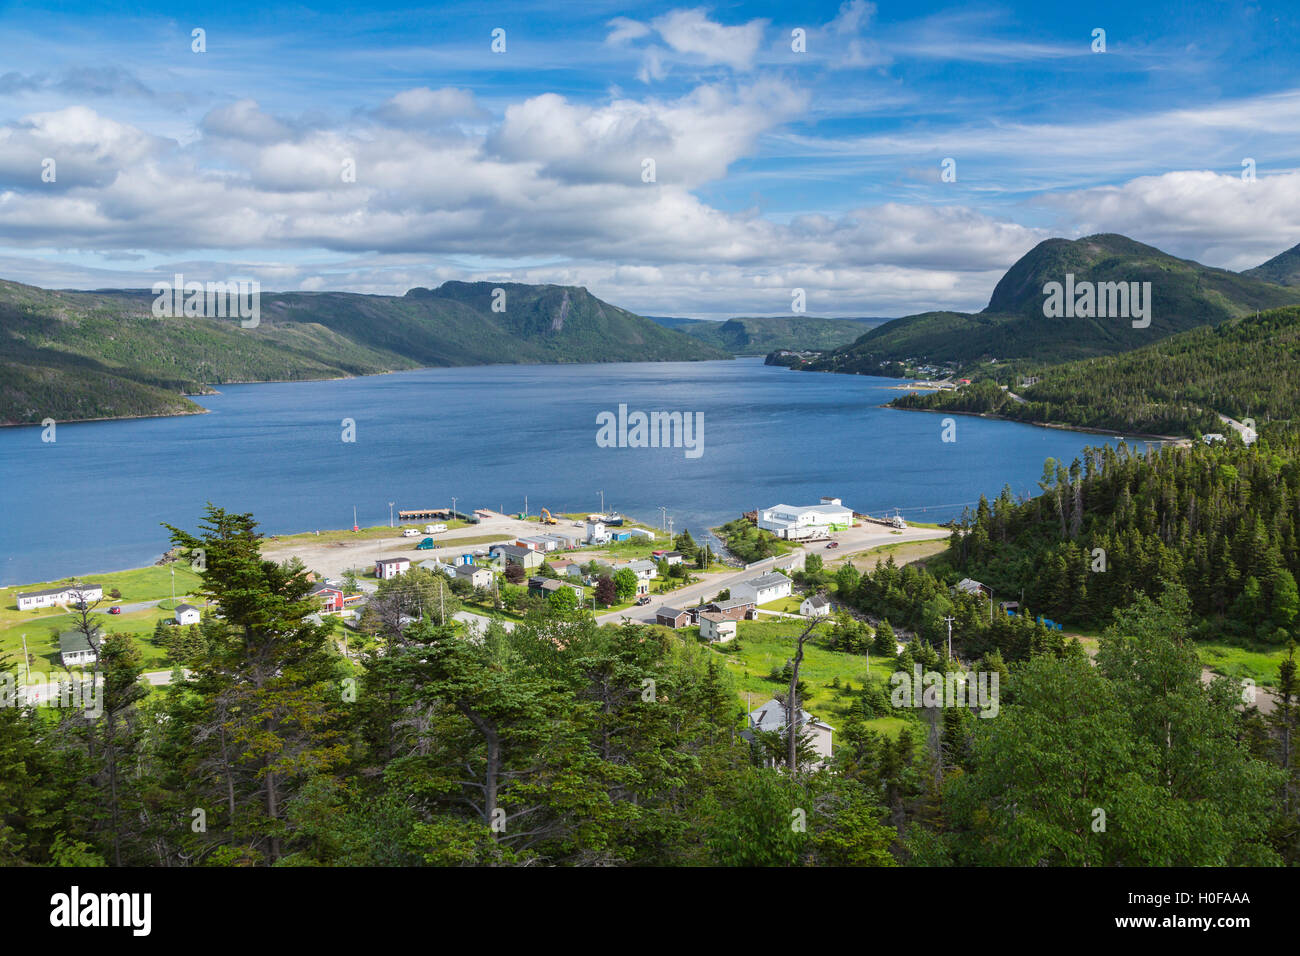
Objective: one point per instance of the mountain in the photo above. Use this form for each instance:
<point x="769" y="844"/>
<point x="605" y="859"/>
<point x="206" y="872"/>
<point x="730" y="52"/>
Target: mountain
<point x="1246" y="367"/>
<point x="72" y="355"/>
<point x="1184" y="295"/>
<point x="1284" y="268"/>
<point x="673" y="322"/>
<point x="758" y="335"/>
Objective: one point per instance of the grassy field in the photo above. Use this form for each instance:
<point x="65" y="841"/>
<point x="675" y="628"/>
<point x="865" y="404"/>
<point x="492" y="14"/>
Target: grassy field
<point x="904" y="552"/>
<point x="43" y="638"/>
<point x="379" y="531"/>
<point x="42" y="626"/>
<point x="1259" y="665"/>
<point x="768" y="644"/>
<point x="139" y="584"/>
<point x="790" y="605"/>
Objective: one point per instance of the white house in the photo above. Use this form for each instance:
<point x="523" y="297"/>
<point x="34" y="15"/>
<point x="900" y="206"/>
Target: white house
<point x="477" y="577"/>
<point x="643" y="569"/>
<point x="433" y="564"/>
<point x="596" y="533"/>
<point x="187" y="614"/>
<point x="767" y="587"/>
<point x="804" y="521"/>
<point x="50" y="597"/>
<point x="971" y="586"/>
<point x="816" y="605"/>
<point x="716" y="627"/>
<point x="771" y="717"/>
<point x="386" y="568"/>
<point x="75" y="650"/>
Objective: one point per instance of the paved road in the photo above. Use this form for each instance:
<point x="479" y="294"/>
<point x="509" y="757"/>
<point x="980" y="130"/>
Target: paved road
<point x="333" y="558"/>
<point x="855" y="540"/>
<point x="478" y="622"/>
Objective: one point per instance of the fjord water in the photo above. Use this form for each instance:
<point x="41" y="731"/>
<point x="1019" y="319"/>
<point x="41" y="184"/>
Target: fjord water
<point x="93" y="500"/>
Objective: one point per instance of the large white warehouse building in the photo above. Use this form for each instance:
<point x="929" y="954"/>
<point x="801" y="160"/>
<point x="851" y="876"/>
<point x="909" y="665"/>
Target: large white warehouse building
<point x="801" y="521"/>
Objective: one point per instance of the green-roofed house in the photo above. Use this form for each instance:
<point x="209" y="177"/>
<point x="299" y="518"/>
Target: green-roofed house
<point x="75" y="650"/>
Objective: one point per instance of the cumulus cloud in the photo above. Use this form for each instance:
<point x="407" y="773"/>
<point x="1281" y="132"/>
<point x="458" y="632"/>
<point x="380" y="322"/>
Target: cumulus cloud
<point x="426" y="107"/>
<point x="692" y="32"/>
<point x="689" y="36"/>
<point x="1212" y="217"/>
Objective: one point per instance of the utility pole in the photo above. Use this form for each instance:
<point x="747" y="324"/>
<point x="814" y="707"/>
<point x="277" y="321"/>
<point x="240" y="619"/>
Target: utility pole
<point x="525" y="507"/>
<point x="453" y="507"/>
<point x="663" y="517"/>
<point x="390" y="514"/>
<point x="27" y="666"/>
<point x="602" y="504"/>
<point x="949" y="619"/>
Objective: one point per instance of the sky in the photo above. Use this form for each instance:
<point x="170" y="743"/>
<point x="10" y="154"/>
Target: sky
<point x="698" y="161"/>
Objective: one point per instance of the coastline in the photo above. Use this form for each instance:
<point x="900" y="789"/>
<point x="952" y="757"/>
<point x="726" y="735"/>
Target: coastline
<point x="214" y="389"/>
<point x="1083" y="429"/>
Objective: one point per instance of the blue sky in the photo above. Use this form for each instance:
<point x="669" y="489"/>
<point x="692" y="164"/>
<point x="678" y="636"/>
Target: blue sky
<point x="774" y="169"/>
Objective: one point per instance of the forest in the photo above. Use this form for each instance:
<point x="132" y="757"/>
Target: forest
<point x="567" y="743"/>
<point x="1247" y="367"/>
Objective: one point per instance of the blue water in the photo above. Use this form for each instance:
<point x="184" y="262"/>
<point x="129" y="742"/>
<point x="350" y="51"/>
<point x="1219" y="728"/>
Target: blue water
<point x="92" y="501"/>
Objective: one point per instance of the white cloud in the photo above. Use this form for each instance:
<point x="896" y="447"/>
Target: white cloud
<point x="623" y="29"/>
<point x="426" y="107"/>
<point x="692" y="32"/>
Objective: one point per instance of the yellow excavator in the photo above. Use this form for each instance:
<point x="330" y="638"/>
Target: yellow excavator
<point x="546" y="518"/>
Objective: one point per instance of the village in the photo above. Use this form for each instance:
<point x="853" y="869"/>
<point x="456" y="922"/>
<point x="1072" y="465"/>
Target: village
<point x="498" y="565"/>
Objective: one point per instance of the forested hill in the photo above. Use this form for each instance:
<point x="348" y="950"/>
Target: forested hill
<point x="1220" y="520"/>
<point x="1247" y="367"/>
<point x="1284" y="269"/>
<point x="1185" y="295"/>
<point x="759" y="335"/>
<point x="81" y="355"/>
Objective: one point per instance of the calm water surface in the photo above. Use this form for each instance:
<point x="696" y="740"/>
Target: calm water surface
<point x="93" y="500"/>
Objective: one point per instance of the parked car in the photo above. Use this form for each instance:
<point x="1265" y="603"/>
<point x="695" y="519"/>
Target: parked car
<point x="642" y="600"/>
<point x="114" y="610"/>
<point x="833" y="544"/>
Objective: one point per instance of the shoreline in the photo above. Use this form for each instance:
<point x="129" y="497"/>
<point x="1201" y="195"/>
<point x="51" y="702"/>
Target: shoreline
<point x="1057" y="426"/>
<point x="214" y="389"/>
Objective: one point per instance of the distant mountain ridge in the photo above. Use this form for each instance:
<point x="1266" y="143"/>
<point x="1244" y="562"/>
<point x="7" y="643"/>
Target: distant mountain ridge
<point x="70" y="355"/>
<point x="1185" y="295"/>
<point x="1284" y="268"/>
<point x="758" y="335"/>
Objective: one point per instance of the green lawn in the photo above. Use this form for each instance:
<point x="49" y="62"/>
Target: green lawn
<point x="1259" y="665"/>
<point x="768" y="644"/>
<point x="43" y="638"/>
<point x="790" y="604"/>
<point x="139" y="584"/>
